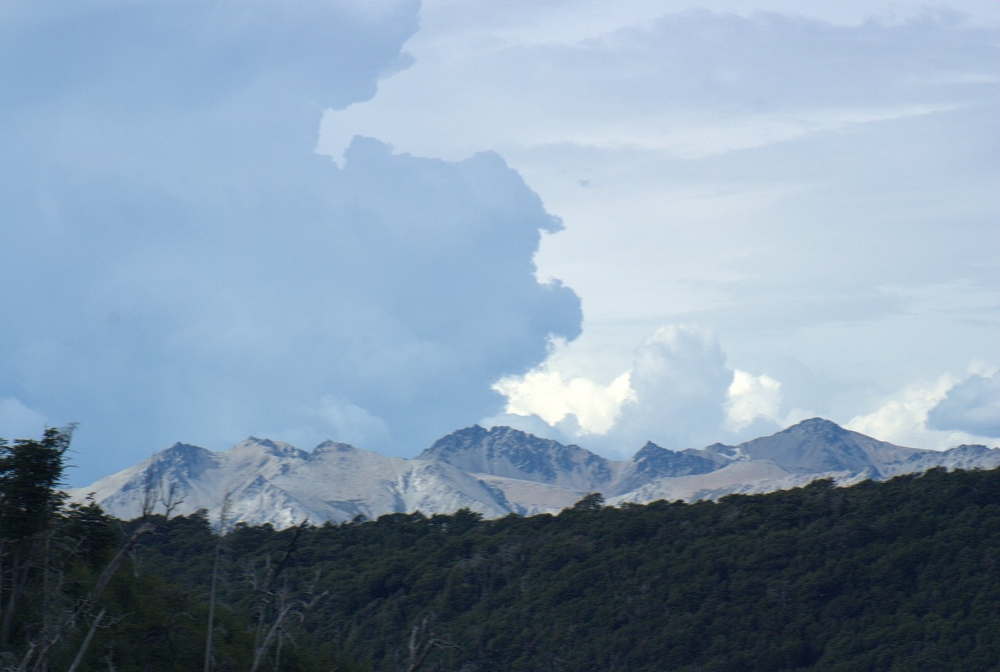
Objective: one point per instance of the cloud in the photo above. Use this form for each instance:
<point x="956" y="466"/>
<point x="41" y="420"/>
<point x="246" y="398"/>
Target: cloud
<point x="752" y="397"/>
<point x="178" y="264"/>
<point x="687" y="396"/>
<point x="744" y="170"/>
<point x="352" y="424"/>
<point x="692" y="83"/>
<point x="902" y="419"/>
<point x="940" y="414"/>
<point x="680" y="381"/>
<point x="17" y="421"/>
<point x="545" y="393"/>
<point x="972" y="406"/>
<point x="678" y="393"/>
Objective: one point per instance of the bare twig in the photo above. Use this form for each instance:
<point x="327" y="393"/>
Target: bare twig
<point x="271" y="576"/>
<point x="86" y="642"/>
<point x="170" y="500"/>
<point x="422" y="643"/>
<point x="223" y="524"/>
<point x="297" y="607"/>
<point x="39" y="652"/>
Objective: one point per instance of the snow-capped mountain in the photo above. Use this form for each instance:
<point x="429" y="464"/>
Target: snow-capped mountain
<point x="819" y="446"/>
<point x="509" y="453"/>
<point x="794" y="457"/>
<point x="273" y="482"/>
<point x="499" y="471"/>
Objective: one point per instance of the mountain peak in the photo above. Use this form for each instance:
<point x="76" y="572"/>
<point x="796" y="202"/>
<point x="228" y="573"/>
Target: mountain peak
<point x="817" y="425"/>
<point x="511" y="453"/>
<point x="184" y="449"/>
<point x="496" y="440"/>
<point x="652" y="462"/>
<point x="273" y="448"/>
<point x="497" y="470"/>
<point x="815" y="445"/>
<point x="184" y="459"/>
<point x="646" y="451"/>
<point x="333" y="447"/>
<point x="456" y="440"/>
<point x="182" y="453"/>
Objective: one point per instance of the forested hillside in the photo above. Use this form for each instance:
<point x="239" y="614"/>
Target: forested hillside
<point x="898" y="575"/>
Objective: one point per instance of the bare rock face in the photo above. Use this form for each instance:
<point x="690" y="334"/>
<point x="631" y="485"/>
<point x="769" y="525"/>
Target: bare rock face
<point x="653" y="463"/>
<point x="816" y="446"/>
<point x="499" y="471"/>
<point x="502" y="451"/>
<point x="269" y="482"/>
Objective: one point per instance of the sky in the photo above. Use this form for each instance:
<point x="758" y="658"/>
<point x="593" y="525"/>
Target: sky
<point x="600" y="222"/>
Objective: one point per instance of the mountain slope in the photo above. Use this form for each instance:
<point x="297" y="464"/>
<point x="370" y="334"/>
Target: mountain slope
<point x="653" y="463"/>
<point x="511" y="454"/>
<point x="500" y="471"/>
<point x="270" y="482"/>
<point x="816" y="446"/>
<point x="506" y="452"/>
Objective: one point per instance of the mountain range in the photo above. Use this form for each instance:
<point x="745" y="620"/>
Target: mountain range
<point x="499" y="471"/>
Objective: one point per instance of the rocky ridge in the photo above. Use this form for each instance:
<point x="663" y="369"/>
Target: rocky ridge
<point x="500" y="471"/>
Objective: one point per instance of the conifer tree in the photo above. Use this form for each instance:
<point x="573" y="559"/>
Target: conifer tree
<point x="30" y="474"/>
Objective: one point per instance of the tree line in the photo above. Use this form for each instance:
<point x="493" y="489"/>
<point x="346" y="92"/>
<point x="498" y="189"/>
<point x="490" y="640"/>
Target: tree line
<point x="896" y="575"/>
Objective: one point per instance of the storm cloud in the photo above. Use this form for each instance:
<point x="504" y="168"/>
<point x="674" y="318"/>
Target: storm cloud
<point x="178" y="263"/>
<point x="971" y="406"/>
<point x="810" y="182"/>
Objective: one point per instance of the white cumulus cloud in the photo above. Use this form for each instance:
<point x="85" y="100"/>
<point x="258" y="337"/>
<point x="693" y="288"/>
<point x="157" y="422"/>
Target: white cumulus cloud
<point x="679" y="392"/>
<point x="904" y="417"/>
<point x="752" y="397"/>
<point x="548" y="395"/>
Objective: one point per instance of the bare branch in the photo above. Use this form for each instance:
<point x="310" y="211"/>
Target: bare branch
<point x="223" y="524"/>
<point x="420" y="649"/>
<point x="86" y="642"/>
<point x="171" y="500"/>
<point x="150" y="494"/>
<point x="297" y="607"/>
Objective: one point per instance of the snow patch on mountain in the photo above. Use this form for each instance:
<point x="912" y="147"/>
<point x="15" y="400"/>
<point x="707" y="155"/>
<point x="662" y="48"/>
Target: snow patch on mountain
<point x="496" y="472"/>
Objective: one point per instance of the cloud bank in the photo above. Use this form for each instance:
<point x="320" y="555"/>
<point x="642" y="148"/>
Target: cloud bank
<point x="942" y="413"/>
<point x="971" y="406"/>
<point x="678" y="393"/>
<point x="811" y="182"/>
<point x="178" y="264"/>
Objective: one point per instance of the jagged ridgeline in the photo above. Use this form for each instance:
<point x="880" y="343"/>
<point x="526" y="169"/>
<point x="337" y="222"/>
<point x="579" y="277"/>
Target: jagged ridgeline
<point x="499" y="471"/>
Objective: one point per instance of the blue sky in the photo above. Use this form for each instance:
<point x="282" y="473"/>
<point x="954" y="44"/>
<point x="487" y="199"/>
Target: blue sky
<point x="602" y="222"/>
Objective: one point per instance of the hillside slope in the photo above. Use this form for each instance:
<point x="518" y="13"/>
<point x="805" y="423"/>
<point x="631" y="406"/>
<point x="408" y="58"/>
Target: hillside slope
<point x="896" y="575"/>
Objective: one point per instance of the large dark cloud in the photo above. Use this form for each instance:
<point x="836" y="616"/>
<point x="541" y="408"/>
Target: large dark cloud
<point x="972" y="406"/>
<point x="179" y="265"/>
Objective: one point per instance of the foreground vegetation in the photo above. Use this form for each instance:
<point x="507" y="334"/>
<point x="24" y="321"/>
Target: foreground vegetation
<point x="900" y="575"/>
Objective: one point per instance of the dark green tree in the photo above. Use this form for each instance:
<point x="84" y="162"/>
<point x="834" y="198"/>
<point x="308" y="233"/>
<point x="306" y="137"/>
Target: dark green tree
<point x="30" y="474"/>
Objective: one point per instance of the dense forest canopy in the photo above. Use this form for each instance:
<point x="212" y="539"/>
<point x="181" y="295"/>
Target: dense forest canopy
<point x="897" y="575"/>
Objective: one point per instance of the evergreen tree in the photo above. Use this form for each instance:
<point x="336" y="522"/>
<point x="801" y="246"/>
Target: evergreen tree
<point x="30" y="474"/>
